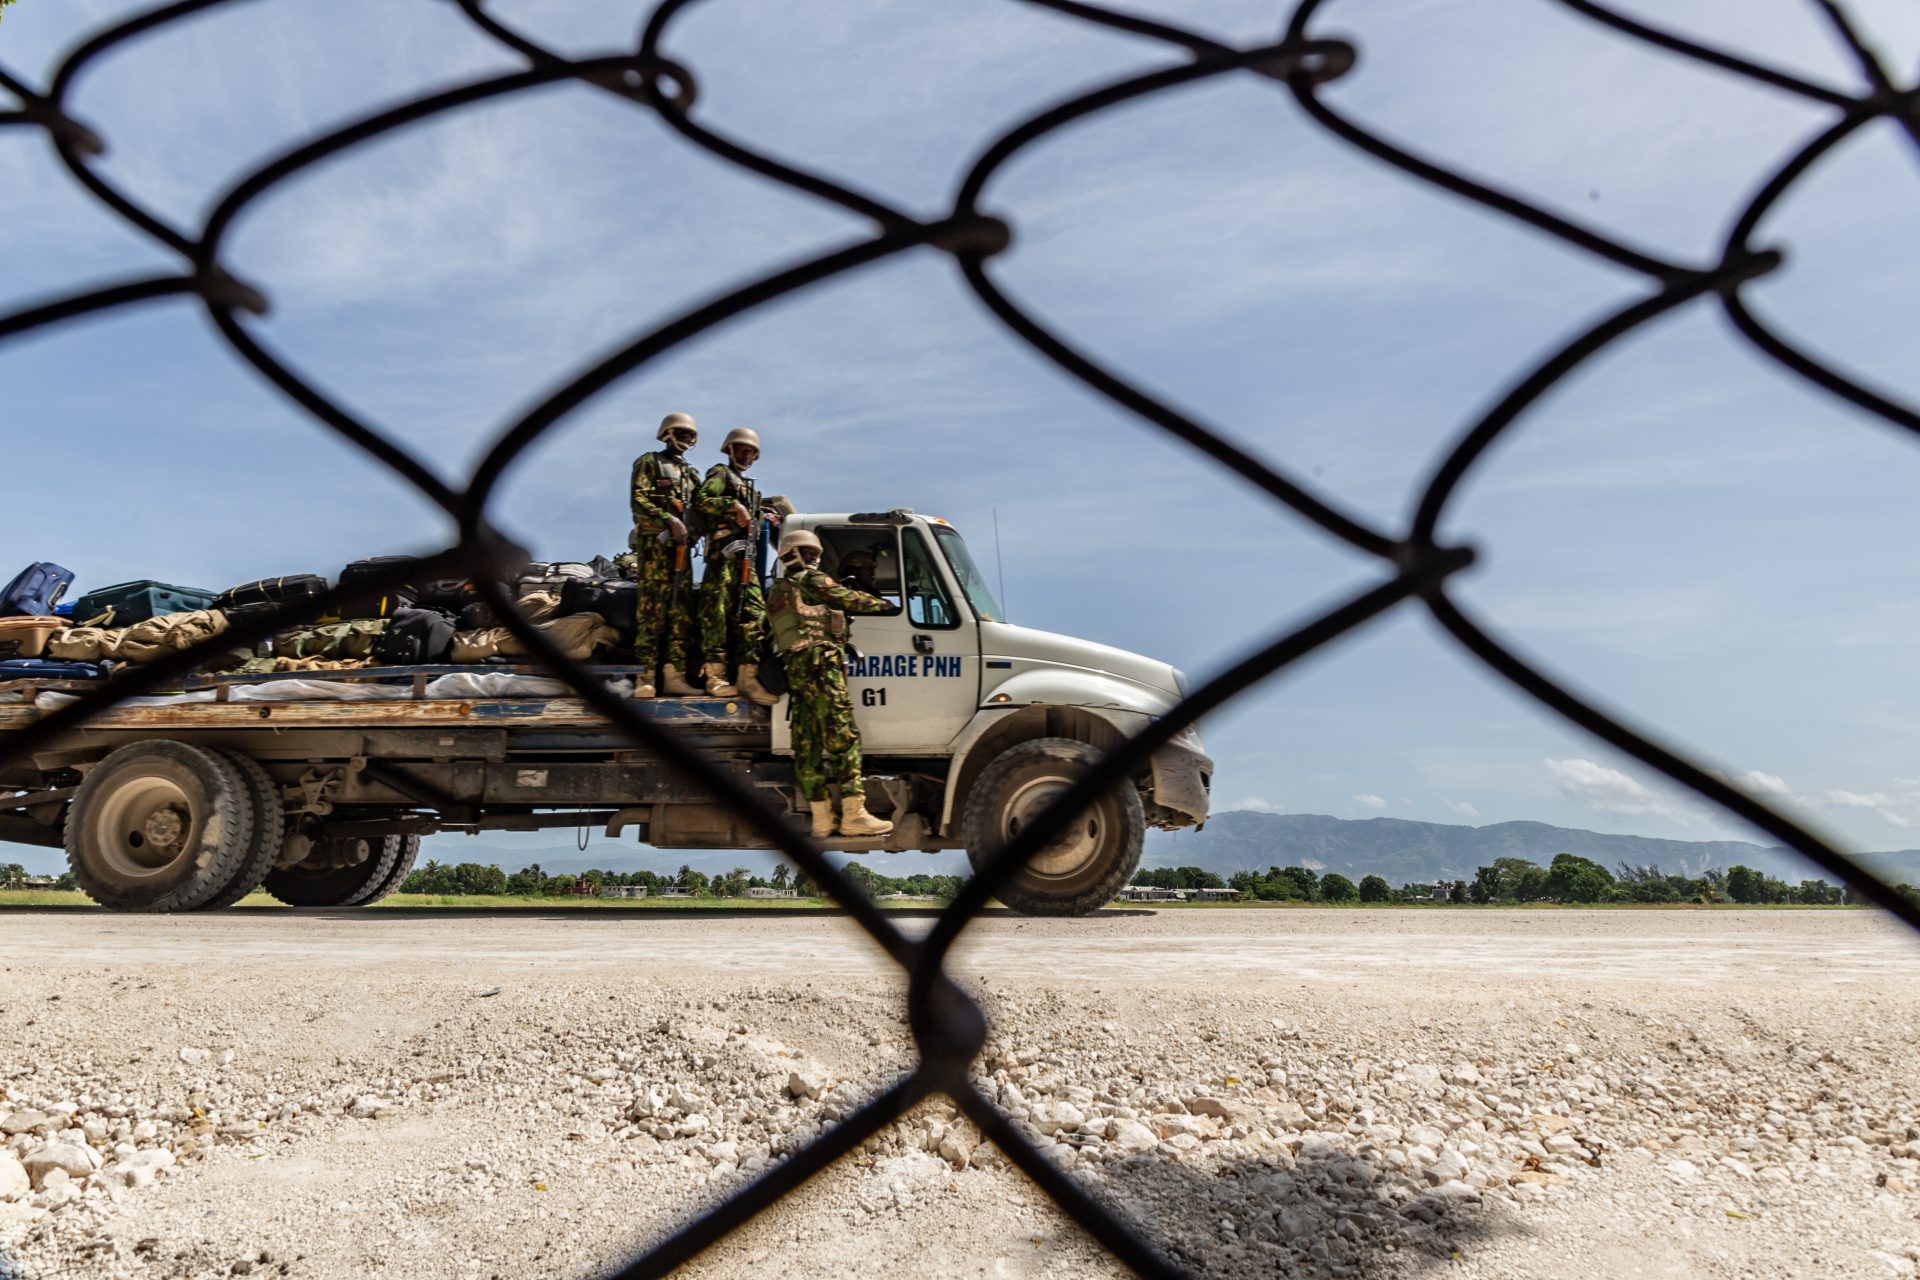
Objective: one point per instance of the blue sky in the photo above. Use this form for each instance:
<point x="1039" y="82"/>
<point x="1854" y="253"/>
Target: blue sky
<point x="1683" y="530"/>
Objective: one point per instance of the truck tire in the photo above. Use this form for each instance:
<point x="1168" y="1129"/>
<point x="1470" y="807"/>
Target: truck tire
<point x="1081" y="870"/>
<point x="314" y="884"/>
<point x="159" y="826"/>
<point x="402" y="868"/>
<point x="269" y="829"/>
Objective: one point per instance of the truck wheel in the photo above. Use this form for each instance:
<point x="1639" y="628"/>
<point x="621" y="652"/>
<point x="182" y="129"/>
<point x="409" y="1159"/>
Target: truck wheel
<point x="1081" y="870"/>
<point x="159" y="826"/>
<point x="402" y="868"/>
<point x="269" y="828"/>
<point x="319" y="882"/>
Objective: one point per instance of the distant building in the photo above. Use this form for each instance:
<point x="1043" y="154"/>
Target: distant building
<point x="1216" y="895"/>
<point x="42" y="882"/>
<point x="759" y="891"/>
<point x="676" y="891"/>
<point x="1152" y="893"/>
<point x="623" y="891"/>
<point x="1442" y="891"/>
<point x="889" y="897"/>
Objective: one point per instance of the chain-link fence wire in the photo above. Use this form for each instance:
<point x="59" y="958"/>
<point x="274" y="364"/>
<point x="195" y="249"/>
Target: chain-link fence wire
<point x="948" y="1026"/>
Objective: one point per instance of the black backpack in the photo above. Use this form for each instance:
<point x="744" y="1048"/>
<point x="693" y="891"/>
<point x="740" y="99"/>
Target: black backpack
<point x="614" y="599"/>
<point x="375" y="604"/>
<point x="773" y="668"/>
<point x="414" y="636"/>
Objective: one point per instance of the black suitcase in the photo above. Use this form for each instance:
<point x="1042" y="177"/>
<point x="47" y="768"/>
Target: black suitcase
<point x="271" y="591"/>
<point x="414" y="636"/>
<point x="35" y="591"/>
<point x="376" y="604"/>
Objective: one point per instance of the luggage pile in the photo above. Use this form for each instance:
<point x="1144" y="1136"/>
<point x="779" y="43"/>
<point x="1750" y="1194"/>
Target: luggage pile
<point x="585" y="608"/>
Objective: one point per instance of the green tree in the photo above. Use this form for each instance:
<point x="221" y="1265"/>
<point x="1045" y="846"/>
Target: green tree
<point x="474" y="880"/>
<point x="1744" y="884"/>
<point x="1572" y="878"/>
<point x="1337" y="888"/>
<point x="1305" y="885"/>
<point x="1459" y="892"/>
<point x="781" y="875"/>
<point x="1819" y="893"/>
<point x="66" y="881"/>
<point x="12" y="876"/>
<point x="1374" y="889"/>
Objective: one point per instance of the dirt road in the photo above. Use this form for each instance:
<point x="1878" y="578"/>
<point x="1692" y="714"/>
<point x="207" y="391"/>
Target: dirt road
<point x="1366" y="1093"/>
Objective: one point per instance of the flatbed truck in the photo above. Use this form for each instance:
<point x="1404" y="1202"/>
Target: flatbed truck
<point x="970" y="726"/>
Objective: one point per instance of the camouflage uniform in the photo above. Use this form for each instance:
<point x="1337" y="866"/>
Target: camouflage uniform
<point x="723" y="487"/>
<point x="801" y="614"/>
<point x="664" y="483"/>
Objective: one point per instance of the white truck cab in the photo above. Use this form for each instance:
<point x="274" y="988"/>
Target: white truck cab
<point x="944" y="687"/>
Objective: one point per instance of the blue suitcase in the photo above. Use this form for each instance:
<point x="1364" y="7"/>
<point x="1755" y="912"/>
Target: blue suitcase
<point x="51" y="669"/>
<point x="35" y="592"/>
<point x="132" y="602"/>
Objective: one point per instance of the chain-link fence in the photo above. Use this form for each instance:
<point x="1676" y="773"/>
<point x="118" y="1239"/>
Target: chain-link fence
<point x="948" y="1026"/>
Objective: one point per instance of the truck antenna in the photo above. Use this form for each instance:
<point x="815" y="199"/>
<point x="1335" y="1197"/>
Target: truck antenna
<point x="999" y="568"/>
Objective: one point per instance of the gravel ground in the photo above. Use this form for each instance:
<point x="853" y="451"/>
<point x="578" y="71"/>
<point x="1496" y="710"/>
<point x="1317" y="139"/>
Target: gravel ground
<point x="1365" y="1093"/>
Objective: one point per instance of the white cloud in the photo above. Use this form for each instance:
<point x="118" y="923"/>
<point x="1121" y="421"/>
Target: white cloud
<point x="1878" y="802"/>
<point x="1761" y="784"/>
<point x="1462" y="807"/>
<point x="1370" y="801"/>
<point x="1259" y="804"/>
<point x="1606" y="790"/>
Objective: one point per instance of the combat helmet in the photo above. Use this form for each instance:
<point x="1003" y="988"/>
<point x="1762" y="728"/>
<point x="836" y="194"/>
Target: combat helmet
<point x="677" y="422"/>
<point x="795" y="541"/>
<point x="740" y="435"/>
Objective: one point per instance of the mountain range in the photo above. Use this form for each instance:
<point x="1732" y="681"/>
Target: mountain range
<point x="1402" y="851"/>
<point x="1238" y="840"/>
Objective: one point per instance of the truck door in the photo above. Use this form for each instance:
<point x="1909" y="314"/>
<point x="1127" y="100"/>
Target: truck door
<point x="916" y="683"/>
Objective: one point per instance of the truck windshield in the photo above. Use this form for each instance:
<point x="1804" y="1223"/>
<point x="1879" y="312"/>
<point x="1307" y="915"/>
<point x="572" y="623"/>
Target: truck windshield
<point x="972" y="581"/>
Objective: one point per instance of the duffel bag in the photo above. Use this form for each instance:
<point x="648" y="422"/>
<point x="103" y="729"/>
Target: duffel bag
<point x="271" y="591"/>
<point x="335" y="640"/>
<point x="477" y="616"/>
<point x="127" y="603"/>
<point x="374" y="603"/>
<point x="35" y="590"/>
<point x="145" y="641"/>
<point x="578" y="638"/>
<point x="414" y="636"/>
<point x="613" y="599"/>
<point x="83" y="644"/>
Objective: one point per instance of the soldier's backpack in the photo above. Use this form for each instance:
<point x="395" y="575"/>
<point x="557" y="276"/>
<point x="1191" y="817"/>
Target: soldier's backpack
<point x="371" y="603"/>
<point x="35" y="591"/>
<point x="414" y="636"/>
<point x="271" y="591"/>
<point x="127" y="604"/>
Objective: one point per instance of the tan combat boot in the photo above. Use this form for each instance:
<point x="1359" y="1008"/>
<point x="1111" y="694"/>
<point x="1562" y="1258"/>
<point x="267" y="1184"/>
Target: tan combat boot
<point x="675" y="685"/>
<point x="822" y="819"/>
<point x="642" y="688"/>
<point x="856" y="821"/>
<point x="750" y="685"/>
<point x="717" y="686"/>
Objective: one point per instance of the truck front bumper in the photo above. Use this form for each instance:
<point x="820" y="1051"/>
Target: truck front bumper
<point x="1182" y="783"/>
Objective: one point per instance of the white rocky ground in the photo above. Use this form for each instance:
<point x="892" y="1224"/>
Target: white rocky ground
<point x="1356" y="1093"/>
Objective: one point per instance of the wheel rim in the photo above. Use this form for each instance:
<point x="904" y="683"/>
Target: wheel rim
<point x="1073" y="849"/>
<point x="145" y="827"/>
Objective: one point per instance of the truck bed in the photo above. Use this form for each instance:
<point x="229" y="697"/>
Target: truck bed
<point x="416" y="711"/>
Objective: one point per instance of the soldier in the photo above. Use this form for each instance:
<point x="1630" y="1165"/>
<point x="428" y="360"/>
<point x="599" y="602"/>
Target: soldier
<point x="730" y="590"/>
<point x="806" y="612"/>
<point x="664" y="483"/>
